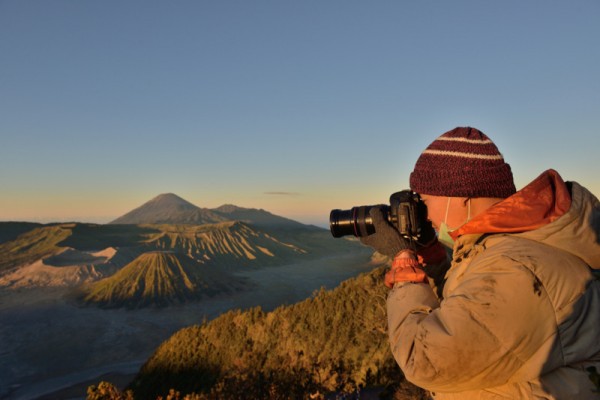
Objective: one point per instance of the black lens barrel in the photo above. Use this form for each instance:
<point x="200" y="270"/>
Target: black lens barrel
<point x="356" y="221"/>
<point x="341" y="223"/>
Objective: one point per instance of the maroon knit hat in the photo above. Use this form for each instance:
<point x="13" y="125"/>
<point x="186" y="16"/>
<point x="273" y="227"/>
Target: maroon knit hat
<point x="462" y="162"/>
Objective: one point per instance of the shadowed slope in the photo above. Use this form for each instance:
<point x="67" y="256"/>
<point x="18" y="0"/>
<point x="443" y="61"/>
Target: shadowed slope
<point x="11" y="230"/>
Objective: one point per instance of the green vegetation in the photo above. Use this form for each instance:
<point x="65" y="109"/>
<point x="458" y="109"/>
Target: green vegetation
<point x="335" y="341"/>
<point x="107" y="391"/>
<point x="33" y="245"/>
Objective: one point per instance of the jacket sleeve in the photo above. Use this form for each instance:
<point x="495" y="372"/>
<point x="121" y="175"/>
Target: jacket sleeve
<point x="480" y="334"/>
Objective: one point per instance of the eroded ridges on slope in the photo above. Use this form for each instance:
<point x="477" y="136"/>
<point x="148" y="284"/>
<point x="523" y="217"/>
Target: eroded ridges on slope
<point x="160" y="278"/>
<point x="229" y="239"/>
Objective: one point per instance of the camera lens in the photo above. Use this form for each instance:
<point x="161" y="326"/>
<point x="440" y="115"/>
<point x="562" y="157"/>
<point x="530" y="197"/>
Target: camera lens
<point x="355" y="221"/>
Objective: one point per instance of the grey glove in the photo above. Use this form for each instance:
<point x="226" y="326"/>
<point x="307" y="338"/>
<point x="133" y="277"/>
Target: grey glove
<point x="386" y="239"/>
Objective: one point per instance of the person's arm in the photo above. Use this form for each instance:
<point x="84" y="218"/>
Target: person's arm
<point x="479" y="336"/>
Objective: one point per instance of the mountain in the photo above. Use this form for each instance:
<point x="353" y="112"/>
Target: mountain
<point x="230" y="245"/>
<point x="160" y="278"/>
<point x="258" y="217"/>
<point x="205" y="255"/>
<point x="169" y="208"/>
<point x="227" y="239"/>
<point x="73" y="254"/>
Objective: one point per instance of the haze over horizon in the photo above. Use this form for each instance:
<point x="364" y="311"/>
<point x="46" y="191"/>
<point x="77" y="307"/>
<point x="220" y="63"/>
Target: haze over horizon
<point x="292" y="107"/>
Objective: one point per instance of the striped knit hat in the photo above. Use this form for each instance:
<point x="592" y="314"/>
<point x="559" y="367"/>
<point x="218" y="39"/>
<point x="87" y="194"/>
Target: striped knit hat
<point x="462" y="162"/>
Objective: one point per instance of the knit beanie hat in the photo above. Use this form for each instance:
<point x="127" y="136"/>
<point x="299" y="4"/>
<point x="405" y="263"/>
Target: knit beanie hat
<point x="462" y="162"/>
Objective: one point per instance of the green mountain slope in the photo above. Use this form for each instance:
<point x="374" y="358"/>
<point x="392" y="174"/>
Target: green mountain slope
<point x="334" y="341"/>
<point x="33" y="245"/>
<point x="160" y="278"/>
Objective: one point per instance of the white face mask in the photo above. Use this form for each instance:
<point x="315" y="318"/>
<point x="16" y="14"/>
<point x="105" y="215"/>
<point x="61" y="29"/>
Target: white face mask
<point x="444" y="233"/>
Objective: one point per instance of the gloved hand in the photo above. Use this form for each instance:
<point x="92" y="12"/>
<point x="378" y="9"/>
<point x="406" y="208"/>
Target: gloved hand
<point x="386" y="239"/>
<point x="406" y="267"/>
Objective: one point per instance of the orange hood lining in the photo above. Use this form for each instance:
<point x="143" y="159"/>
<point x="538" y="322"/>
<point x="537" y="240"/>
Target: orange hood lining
<point x="542" y="201"/>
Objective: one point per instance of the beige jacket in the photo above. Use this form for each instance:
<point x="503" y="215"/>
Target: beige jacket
<point x="520" y="314"/>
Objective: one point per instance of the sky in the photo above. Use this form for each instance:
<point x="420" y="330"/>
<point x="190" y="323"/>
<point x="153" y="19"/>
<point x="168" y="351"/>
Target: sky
<point x="295" y="107"/>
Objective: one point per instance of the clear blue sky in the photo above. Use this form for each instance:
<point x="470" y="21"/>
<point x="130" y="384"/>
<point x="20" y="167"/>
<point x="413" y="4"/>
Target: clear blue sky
<point x="296" y="107"/>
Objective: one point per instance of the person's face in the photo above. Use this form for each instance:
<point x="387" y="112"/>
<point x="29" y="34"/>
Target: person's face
<point x="436" y="210"/>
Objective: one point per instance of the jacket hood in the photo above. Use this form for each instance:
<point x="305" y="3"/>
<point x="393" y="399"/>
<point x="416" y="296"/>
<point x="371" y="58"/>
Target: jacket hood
<point x="546" y="211"/>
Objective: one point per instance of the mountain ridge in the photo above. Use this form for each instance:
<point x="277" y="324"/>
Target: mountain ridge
<point x="78" y="254"/>
<point x="69" y="253"/>
<point x="169" y="208"/>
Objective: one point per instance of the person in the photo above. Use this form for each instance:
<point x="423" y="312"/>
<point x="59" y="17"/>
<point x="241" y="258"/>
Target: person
<point x="514" y="312"/>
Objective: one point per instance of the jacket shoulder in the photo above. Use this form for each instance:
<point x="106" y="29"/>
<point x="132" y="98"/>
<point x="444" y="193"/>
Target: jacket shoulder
<point x="560" y="274"/>
<point x="577" y="231"/>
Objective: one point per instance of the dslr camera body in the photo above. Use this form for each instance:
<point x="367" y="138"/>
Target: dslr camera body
<point x="406" y="212"/>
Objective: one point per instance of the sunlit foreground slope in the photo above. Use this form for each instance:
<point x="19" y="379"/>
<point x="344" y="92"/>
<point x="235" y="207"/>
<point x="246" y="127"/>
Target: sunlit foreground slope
<point x="333" y="342"/>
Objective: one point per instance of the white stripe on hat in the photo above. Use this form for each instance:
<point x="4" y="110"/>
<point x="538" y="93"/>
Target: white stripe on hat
<point x="464" y="140"/>
<point x="464" y="155"/>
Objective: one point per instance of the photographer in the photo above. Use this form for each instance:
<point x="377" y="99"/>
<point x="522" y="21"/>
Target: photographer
<point x="515" y="312"/>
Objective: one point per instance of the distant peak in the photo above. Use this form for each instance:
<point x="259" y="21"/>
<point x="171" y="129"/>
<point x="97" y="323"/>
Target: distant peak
<point x="170" y="198"/>
<point x="167" y="196"/>
<point x="168" y="208"/>
<point x="228" y="208"/>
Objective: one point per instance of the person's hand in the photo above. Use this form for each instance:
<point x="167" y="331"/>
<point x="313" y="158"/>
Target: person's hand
<point x="386" y="239"/>
<point x="405" y="268"/>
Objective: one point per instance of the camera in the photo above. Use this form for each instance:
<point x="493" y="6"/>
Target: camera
<point x="406" y="213"/>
